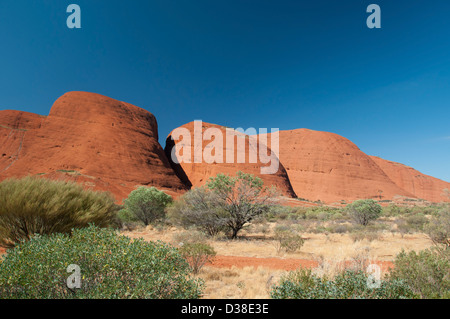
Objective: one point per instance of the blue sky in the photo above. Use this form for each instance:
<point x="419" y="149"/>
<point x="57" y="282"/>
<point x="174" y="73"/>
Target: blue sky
<point x="246" y="63"/>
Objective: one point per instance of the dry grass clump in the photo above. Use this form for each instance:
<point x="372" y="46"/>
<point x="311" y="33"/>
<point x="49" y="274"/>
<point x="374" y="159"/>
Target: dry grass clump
<point x="239" y="283"/>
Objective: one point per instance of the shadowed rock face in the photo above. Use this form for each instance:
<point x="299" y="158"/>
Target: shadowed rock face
<point x="420" y="185"/>
<point x="197" y="174"/>
<point x="92" y="139"/>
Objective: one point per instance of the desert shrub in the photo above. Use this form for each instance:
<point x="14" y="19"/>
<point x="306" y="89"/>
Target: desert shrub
<point x="394" y="211"/>
<point x="376" y="227"/>
<point x="369" y="233"/>
<point x="426" y="272"/>
<point x="412" y="223"/>
<point x="146" y="205"/>
<point x="360" y="235"/>
<point x="348" y="284"/>
<point x="111" y="267"/>
<point x="337" y="216"/>
<point x="312" y="214"/>
<point x="34" y="205"/>
<point x="301" y="212"/>
<point x="324" y="216"/>
<point x="287" y="239"/>
<point x="198" y="208"/>
<point x="363" y="211"/>
<point x="439" y="228"/>
<point x="339" y="229"/>
<point x="191" y="237"/>
<point x="280" y="212"/>
<point x="197" y="254"/>
<point x="319" y="229"/>
<point x="242" y="198"/>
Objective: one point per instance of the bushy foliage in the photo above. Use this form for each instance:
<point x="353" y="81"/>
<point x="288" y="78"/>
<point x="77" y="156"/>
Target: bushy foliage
<point x="197" y="254"/>
<point x="439" y="228"/>
<point x="363" y="211"/>
<point x="426" y="272"/>
<point x="33" y="205"/>
<point x="349" y="284"/>
<point x="146" y="205"/>
<point x="287" y="239"/>
<point x="242" y="197"/>
<point x="112" y="266"/>
<point x="198" y="208"/>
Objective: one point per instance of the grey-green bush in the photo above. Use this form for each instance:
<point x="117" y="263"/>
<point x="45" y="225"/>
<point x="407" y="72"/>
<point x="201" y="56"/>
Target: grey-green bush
<point x="427" y="272"/>
<point x="363" y="211"/>
<point x="146" y="205"/>
<point x="349" y="284"/>
<point x="34" y="205"/>
<point x="198" y="208"/>
<point x="112" y="267"/>
<point x="197" y="254"/>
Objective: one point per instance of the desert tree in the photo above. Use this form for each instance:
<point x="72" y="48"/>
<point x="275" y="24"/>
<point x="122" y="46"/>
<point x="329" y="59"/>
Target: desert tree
<point x="242" y="198"/>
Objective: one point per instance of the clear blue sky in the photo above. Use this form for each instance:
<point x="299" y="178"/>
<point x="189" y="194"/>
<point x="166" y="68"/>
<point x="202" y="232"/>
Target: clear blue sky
<point x="246" y="63"/>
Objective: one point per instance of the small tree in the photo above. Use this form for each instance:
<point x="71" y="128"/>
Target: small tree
<point x="364" y="210"/>
<point x="146" y="204"/>
<point x="242" y="197"/>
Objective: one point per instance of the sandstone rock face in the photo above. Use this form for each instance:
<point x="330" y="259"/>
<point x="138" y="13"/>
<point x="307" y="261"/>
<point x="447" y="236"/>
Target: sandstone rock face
<point x="14" y="125"/>
<point x="105" y="144"/>
<point x="420" y="185"/>
<point x="92" y="139"/>
<point x="328" y="167"/>
<point x="197" y="174"/>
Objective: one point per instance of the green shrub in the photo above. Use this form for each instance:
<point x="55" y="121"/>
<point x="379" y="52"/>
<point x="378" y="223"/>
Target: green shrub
<point x="348" y="284"/>
<point x="363" y="211"/>
<point x="112" y="266"/>
<point x="197" y="254"/>
<point x="146" y="205"/>
<point x="34" y="205"/>
<point x="426" y="272"/>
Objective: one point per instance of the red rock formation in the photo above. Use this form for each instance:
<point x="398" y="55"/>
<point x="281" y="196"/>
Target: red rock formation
<point x="98" y="141"/>
<point x="14" y="125"/>
<point x="110" y="145"/>
<point x="197" y="174"/>
<point x="328" y="167"/>
<point x="420" y="185"/>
